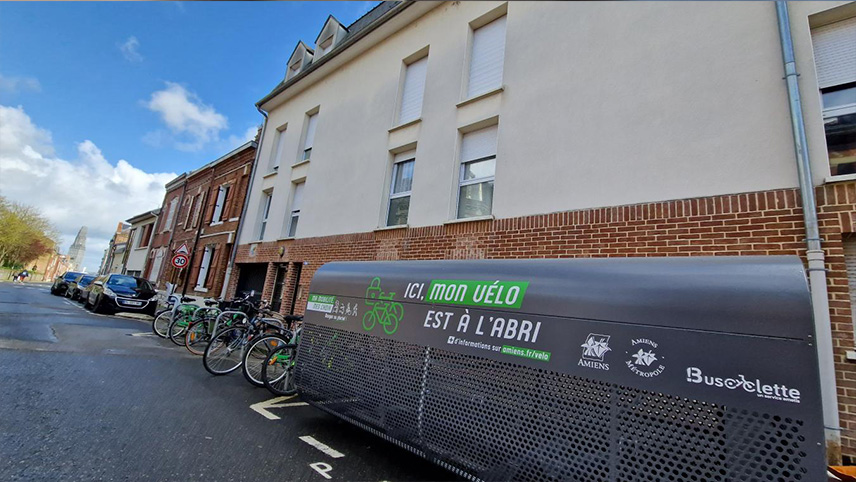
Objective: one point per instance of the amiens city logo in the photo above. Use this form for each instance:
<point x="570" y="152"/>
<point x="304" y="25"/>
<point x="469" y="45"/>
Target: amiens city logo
<point x="384" y="311"/>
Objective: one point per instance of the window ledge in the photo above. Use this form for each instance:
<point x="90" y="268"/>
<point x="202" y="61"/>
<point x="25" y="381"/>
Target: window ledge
<point x="270" y="174"/>
<point x="204" y="290"/>
<point x="287" y="238"/>
<point x="843" y="177"/>
<point x="489" y="217"/>
<point x="300" y="163"/>
<point x="233" y="219"/>
<point x="390" y="228"/>
<point x="480" y="96"/>
<point x="406" y="124"/>
<point x="216" y="223"/>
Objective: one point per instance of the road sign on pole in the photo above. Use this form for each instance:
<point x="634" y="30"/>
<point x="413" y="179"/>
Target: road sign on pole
<point x="180" y="260"/>
<point x="182" y="249"/>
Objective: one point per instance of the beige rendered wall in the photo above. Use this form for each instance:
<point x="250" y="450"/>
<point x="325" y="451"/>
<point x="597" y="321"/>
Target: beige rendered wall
<point x="603" y="104"/>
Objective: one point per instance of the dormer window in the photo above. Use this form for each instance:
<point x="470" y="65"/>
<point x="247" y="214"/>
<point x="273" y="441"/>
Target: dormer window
<point x="300" y="58"/>
<point x="293" y="70"/>
<point x="331" y="34"/>
<point x="325" y="46"/>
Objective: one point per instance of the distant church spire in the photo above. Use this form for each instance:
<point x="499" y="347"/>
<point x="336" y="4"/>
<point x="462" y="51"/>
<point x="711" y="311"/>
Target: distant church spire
<point x="78" y="249"/>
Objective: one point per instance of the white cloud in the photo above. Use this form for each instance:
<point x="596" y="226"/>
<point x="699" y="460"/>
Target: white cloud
<point x="87" y="191"/>
<point x="19" y="84"/>
<point x="236" y="141"/>
<point x="130" y="49"/>
<point x="192" y="123"/>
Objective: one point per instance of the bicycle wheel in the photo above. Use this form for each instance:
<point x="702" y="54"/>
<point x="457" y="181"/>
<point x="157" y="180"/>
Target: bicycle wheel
<point x="278" y="370"/>
<point x="196" y="338"/>
<point x="257" y="352"/>
<point x="160" y="325"/>
<point x="177" y="329"/>
<point x="225" y="352"/>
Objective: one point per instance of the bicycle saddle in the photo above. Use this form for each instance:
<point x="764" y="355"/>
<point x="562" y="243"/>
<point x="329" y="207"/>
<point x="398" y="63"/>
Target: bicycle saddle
<point x="211" y="302"/>
<point x="187" y="299"/>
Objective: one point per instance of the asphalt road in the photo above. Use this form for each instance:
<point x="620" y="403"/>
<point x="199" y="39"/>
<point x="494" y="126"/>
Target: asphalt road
<point x="95" y="397"/>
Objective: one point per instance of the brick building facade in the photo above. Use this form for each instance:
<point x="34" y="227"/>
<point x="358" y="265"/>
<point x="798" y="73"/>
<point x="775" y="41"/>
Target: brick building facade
<point x="206" y="220"/>
<point x="160" y="252"/>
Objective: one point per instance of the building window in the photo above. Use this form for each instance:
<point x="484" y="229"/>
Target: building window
<point x="400" y="187"/>
<point x="413" y="91"/>
<point x="486" y="58"/>
<point x="190" y="204"/>
<point x="220" y="204"/>
<point x="202" y="279"/>
<point x="308" y="138"/>
<point x="296" y="202"/>
<point x="145" y="236"/>
<point x="478" y="165"/>
<point x="276" y="160"/>
<point x="293" y="69"/>
<point x="265" y="211"/>
<point x="835" y="61"/>
<point x="324" y="47"/>
<point x="167" y="225"/>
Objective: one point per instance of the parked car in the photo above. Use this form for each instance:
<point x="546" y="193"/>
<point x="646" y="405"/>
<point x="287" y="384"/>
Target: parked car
<point x="110" y="293"/>
<point x="60" y="283"/>
<point x="79" y="283"/>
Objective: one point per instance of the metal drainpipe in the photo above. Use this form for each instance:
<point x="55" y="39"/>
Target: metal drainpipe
<point x="814" y="252"/>
<point x="244" y="209"/>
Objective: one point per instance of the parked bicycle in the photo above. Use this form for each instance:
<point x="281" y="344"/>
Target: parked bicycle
<point x="198" y="335"/>
<point x="225" y="353"/>
<point x="177" y="306"/>
<point x="260" y="347"/>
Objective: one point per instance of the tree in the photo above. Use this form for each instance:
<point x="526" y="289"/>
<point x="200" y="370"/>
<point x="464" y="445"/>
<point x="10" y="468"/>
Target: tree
<point x="24" y="234"/>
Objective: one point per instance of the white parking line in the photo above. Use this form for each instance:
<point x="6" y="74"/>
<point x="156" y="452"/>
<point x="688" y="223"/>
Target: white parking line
<point x="322" y="447"/>
<point x="262" y="407"/>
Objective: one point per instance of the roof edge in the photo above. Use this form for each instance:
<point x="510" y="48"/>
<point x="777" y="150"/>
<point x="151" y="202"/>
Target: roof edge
<point x="350" y="40"/>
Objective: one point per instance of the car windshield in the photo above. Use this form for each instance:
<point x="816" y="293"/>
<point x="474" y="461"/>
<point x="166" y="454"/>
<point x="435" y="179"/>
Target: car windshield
<point x="129" y="282"/>
<point x="84" y="281"/>
<point x="70" y="276"/>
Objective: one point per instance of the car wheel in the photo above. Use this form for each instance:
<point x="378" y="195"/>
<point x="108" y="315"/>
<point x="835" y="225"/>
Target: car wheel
<point x="53" y="290"/>
<point x="86" y="303"/>
<point x="98" y="307"/>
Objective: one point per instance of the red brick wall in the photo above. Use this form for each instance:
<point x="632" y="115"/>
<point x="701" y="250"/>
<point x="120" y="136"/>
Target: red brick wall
<point x="234" y="171"/>
<point x="757" y="223"/>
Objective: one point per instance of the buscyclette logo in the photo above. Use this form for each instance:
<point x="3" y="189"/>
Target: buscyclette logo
<point x="776" y="391"/>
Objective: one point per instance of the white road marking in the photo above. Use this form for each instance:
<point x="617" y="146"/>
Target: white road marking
<point x="322" y="468"/>
<point x="142" y="334"/>
<point x="322" y="447"/>
<point x="262" y="407"/>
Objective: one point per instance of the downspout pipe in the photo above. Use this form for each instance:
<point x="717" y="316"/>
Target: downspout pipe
<point x="814" y="252"/>
<point x="243" y="217"/>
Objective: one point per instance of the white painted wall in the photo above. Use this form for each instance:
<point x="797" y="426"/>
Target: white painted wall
<point x="137" y="256"/>
<point x="604" y="104"/>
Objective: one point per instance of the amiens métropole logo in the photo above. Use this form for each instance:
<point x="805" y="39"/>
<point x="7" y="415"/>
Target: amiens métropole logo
<point x="384" y="311"/>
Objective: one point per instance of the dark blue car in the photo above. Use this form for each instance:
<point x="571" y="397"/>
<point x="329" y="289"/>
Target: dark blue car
<point x="111" y="293"/>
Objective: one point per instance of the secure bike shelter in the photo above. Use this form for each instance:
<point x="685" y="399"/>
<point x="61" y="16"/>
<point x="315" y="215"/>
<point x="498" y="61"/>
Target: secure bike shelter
<point x="658" y="369"/>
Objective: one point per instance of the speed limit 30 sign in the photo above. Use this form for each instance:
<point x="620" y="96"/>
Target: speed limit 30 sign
<point x="179" y="260"/>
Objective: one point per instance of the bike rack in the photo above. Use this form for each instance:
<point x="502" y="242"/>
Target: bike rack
<point x="588" y="369"/>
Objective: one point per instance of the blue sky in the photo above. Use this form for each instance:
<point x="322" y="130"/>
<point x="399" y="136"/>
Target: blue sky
<point x="116" y="97"/>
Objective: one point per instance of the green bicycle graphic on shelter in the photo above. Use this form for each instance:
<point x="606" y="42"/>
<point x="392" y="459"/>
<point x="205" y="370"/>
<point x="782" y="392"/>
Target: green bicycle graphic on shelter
<point x="384" y="310"/>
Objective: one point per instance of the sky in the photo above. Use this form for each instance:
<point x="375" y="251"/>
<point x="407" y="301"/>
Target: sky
<point x="102" y="103"/>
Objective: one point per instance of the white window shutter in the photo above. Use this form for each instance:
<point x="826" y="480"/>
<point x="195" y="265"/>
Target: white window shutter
<point x="414" y="88"/>
<point x="203" y="267"/>
<point x="479" y="144"/>
<point x="487" y="57"/>
<point x="297" y="200"/>
<point x="310" y="131"/>
<point x="835" y="53"/>
<point x="218" y="205"/>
